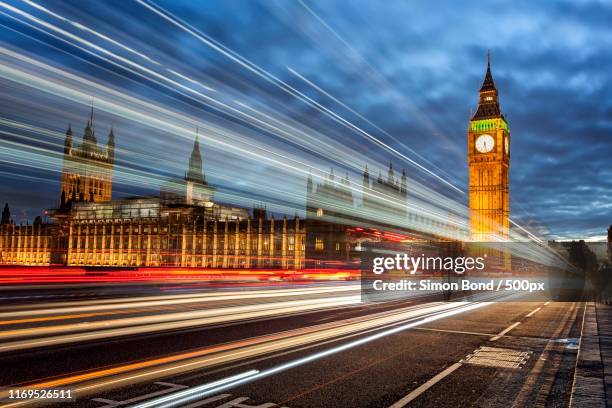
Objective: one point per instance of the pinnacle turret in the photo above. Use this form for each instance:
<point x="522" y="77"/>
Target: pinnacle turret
<point x="195" y="172"/>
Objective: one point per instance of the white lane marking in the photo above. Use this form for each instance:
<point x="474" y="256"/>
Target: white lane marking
<point x="546" y="303"/>
<point x="208" y="400"/>
<point x="238" y="403"/>
<point x="171" y="387"/>
<point x="534" y="311"/>
<point x="503" y="332"/>
<point x="163" y="400"/>
<point x="430" y="383"/>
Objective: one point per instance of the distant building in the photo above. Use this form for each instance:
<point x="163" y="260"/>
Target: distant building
<point x="610" y="243"/>
<point x="386" y="197"/>
<point x="331" y="214"/>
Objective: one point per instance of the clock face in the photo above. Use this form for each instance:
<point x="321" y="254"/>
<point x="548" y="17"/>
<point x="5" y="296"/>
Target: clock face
<point x="506" y="145"/>
<point x="484" y="143"/>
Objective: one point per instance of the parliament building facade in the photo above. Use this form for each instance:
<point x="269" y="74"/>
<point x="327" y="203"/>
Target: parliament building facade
<point x="184" y="226"/>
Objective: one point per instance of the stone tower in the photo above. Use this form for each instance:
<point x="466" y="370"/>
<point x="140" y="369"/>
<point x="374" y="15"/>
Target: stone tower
<point x="489" y="163"/>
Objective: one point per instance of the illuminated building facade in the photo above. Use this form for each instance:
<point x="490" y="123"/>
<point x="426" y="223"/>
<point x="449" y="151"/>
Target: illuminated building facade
<point x="182" y="227"/>
<point x="489" y="163"/>
<point x="87" y="174"/>
<point x="147" y="232"/>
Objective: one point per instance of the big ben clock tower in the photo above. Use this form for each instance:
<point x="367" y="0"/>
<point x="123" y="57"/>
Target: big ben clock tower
<point x="489" y="161"/>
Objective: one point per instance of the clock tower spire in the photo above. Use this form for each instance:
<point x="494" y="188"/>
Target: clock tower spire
<point x="489" y="163"/>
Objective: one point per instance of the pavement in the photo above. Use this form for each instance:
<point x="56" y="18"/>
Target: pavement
<point x="592" y="385"/>
<point x="604" y="320"/>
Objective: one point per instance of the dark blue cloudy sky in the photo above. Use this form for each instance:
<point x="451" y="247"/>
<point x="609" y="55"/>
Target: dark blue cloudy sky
<point x="406" y="72"/>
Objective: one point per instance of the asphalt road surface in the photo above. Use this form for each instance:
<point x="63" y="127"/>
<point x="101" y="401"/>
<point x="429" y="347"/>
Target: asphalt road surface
<point x="299" y="345"/>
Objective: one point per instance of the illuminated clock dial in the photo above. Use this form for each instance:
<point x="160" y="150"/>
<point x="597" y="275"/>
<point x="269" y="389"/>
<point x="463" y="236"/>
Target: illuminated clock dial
<point x="506" y="145"/>
<point x="484" y="143"/>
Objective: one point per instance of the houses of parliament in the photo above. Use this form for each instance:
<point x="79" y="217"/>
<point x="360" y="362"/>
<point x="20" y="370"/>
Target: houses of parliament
<point x="184" y="226"/>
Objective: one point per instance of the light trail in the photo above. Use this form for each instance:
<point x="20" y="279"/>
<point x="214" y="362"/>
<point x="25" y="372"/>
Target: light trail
<point x="366" y="70"/>
<point x="432" y="206"/>
<point x="97" y="48"/>
<point x="97" y="330"/>
<point x="191" y="395"/>
<point x="226" y="146"/>
<point x="264" y="158"/>
<point x="89" y="30"/>
<point x="85" y="383"/>
<point x="391" y="149"/>
<point x="150" y="301"/>
<point x="278" y="82"/>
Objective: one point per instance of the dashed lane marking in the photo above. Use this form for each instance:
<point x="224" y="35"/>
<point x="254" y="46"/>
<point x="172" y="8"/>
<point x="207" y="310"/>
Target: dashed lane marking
<point x="503" y="332"/>
<point x="534" y="311"/>
<point x="430" y="383"/>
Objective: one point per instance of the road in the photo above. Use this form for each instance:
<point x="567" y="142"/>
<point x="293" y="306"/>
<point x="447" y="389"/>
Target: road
<point x="299" y="345"/>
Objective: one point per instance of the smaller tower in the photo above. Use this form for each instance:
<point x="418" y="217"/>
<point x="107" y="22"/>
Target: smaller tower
<point x="366" y="178"/>
<point x="194" y="172"/>
<point x="365" y="186"/>
<point x="110" y="147"/>
<point x="89" y="136"/>
<point x="68" y="140"/>
<point x="309" y="194"/>
<point x="6" y="215"/>
<point x="390" y="175"/>
<point x="309" y="184"/>
<point x="404" y="185"/>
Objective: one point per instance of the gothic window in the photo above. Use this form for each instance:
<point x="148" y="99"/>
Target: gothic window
<point x="291" y="245"/>
<point x="319" y="246"/>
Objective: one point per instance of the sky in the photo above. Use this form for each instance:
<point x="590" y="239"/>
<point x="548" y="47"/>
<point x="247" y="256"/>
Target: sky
<point x="281" y="89"/>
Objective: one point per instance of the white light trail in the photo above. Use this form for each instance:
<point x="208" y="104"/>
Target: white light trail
<point x="192" y="395"/>
<point x="433" y="207"/>
<point x="281" y="84"/>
